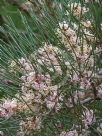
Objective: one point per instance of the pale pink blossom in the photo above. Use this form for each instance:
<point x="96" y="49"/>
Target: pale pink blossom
<point x="87" y="118"/>
<point x="8" y="108"/>
<point x="75" y="78"/>
<point x="77" y="9"/>
<point x="99" y="129"/>
<point x="99" y="90"/>
<point x="31" y="123"/>
<point x="52" y="101"/>
<point x="26" y="64"/>
<point x="70" y="133"/>
<point x="27" y="67"/>
<point x="85" y="82"/>
<point x="69" y="103"/>
<point x="10" y="104"/>
<point x="87" y="23"/>
<point x="1" y="133"/>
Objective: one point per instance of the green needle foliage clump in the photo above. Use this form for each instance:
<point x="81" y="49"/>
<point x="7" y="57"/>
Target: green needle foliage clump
<point x="51" y="71"/>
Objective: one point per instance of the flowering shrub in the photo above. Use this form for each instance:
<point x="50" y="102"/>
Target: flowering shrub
<point x="51" y="79"/>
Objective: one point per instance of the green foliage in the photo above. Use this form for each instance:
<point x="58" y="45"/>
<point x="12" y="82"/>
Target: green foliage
<point x="25" y="35"/>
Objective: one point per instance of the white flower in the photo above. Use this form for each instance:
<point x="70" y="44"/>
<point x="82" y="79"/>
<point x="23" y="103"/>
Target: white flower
<point x="26" y="64"/>
<point x="70" y="133"/>
<point x="27" y="6"/>
<point x="87" y="23"/>
<point x="87" y="118"/>
<point x="99" y="129"/>
<point x="99" y="89"/>
<point x="13" y="64"/>
<point x="63" y="26"/>
<point x="8" y="108"/>
<point x="52" y="101"/>
<point x="75" y="78"/>
<point x="77" y="8"/>
<point x="1" y="133"/>
<point x="67" y="34"/>
<point x="27" y="67"/>
<point x="10" y="104"/>
<point x="69" y="103"/>
<point x="22" y="60"/>
<point x="31" y="123"/>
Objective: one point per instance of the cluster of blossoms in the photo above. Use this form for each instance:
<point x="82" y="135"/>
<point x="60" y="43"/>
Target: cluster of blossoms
<point x="70" y="133"/>
<point x="48" y="56"/>
<point x="77" y="9"/>
<point x="87" y="118"/>
<point x="89" y="87"/>
<point x="8" y="107"/>
<point x="39" y="95"/>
